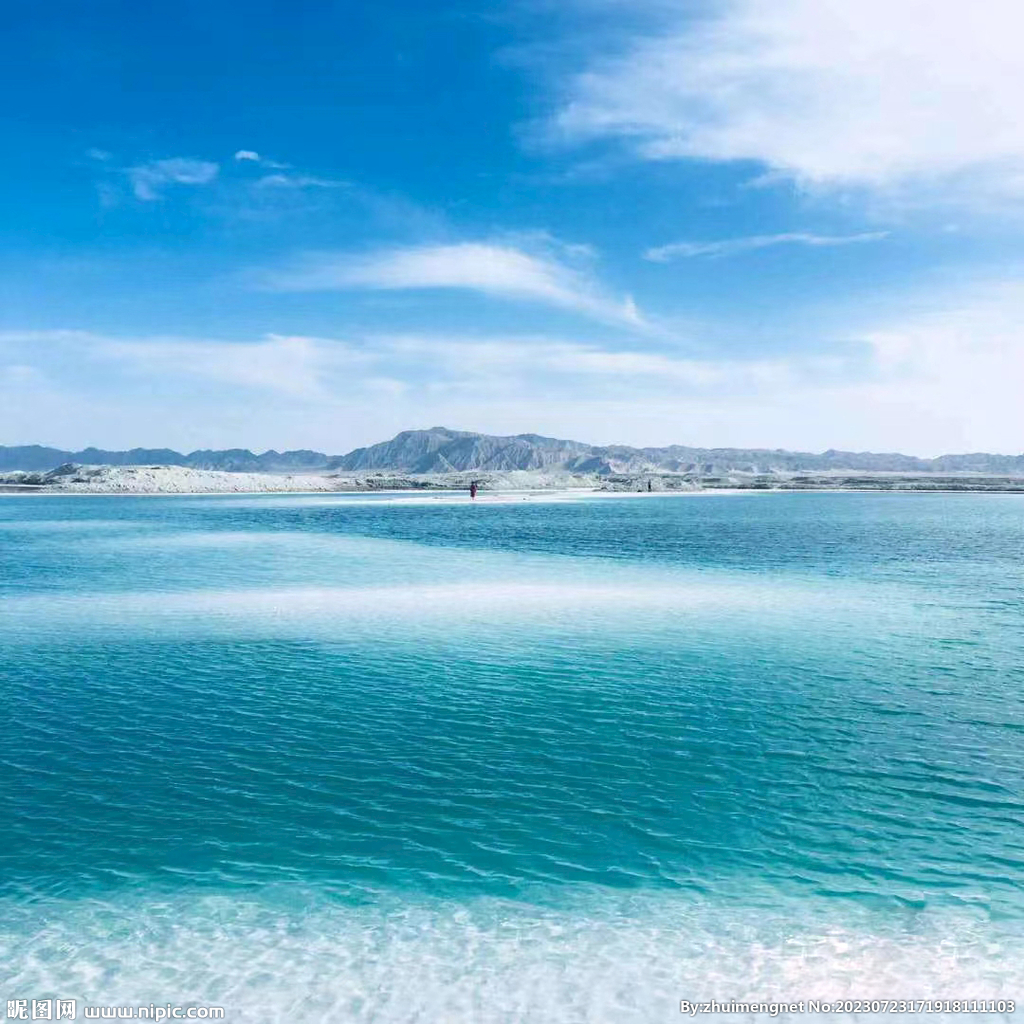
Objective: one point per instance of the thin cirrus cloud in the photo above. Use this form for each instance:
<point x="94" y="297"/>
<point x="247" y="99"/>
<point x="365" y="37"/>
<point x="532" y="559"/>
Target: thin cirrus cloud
<point x="292" y="366"/>
<point x="149" y="180"/>
<point x="289" y="365"/>
<point x="906" y="382"/>
<point x="875" y="94"/>
<point x="280" y="180"/>
<point x="499" y="270"/>
<point x="298" y="181"/>
<point x="496" y="364"/>
<point x="251" y="156"/>
<point x="731" y="246"/>
<point x="320" y="369"/>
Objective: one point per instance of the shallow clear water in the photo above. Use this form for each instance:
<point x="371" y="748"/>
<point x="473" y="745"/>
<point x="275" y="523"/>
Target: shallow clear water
<point x="358" y="759"/>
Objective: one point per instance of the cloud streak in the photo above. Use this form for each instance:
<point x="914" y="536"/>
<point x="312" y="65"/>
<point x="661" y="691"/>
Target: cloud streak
<point x="298" y="181"/>
<point x="875" y="94"/>
<point x="320" y="369"/>
<point x="291" y="366"/>
<point x="498" y="270"/>
<point x="149" y="180"/>
<point x="731" y="246"/>
<point x="945" y="380"/>
<point x="251" y="156"/>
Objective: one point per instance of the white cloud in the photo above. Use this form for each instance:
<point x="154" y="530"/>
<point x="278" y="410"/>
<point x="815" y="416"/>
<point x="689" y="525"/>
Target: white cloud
<point x="148" y="180"/>
<point x="251" y="156"/>
<point x="46" y="337"/>
<point x="729" y="246"/>
<point x="16" y="376"/>
<point x="542" y="365"/>
<point x="298" y="181"/>
<point x="956" y="373"/>
<point x="945" y="380"/>
<point x="870" y="93"/>
<point x="290" y="365"/>
<point x="500" y="270"/>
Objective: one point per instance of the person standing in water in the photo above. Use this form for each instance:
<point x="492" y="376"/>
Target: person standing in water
<point x="472" y="491"/>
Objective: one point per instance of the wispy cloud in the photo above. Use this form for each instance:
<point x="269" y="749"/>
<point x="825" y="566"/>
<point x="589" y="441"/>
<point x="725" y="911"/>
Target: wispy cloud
<point x="923" y="382"/>
<point x="495" y="269"/>
<point x="298" y="181"/>
<point x="556" y="365"/>
<point x="251" y="156"/>
<point x="730" y="246"/>
<point x="317" y="368"/>
<point x="281" y="180"/>
<point x="290" y="365"/>
<point x="148" y="180"/>
<point x="877" y="93"/>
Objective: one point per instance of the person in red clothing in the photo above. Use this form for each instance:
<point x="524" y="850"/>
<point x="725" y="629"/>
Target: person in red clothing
<point x="473" y="490"/>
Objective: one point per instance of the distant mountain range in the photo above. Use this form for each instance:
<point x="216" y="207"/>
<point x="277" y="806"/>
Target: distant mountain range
<point x="241" y="460"/>
<point x="439" y="450"/>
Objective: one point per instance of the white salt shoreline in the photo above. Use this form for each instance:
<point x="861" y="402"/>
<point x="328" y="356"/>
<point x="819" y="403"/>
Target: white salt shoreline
<point x="453" y="488"/>
<point x="171" y="480"/>
<point x="401" y="496"/>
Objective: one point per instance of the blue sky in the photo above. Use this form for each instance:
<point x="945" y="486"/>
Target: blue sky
<point x="791" y="223"/>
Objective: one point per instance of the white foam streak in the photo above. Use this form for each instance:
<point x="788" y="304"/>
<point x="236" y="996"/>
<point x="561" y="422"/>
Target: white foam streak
<point x="618" y="960"/>
<point x="323" y="611"/>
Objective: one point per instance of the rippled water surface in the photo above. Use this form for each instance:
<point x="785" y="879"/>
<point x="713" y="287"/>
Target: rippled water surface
<point x="365" y="759"/>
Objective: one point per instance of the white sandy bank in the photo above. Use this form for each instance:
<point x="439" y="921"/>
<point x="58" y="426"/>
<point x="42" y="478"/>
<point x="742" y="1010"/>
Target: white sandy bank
<point x="182" y="480"/>
<point x="168" y="480"/>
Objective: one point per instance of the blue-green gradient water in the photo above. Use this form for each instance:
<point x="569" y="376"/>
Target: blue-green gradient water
<point x="370" y="759"/>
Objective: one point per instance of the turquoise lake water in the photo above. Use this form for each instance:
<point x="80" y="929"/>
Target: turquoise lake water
<point x="342" y="758"/>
